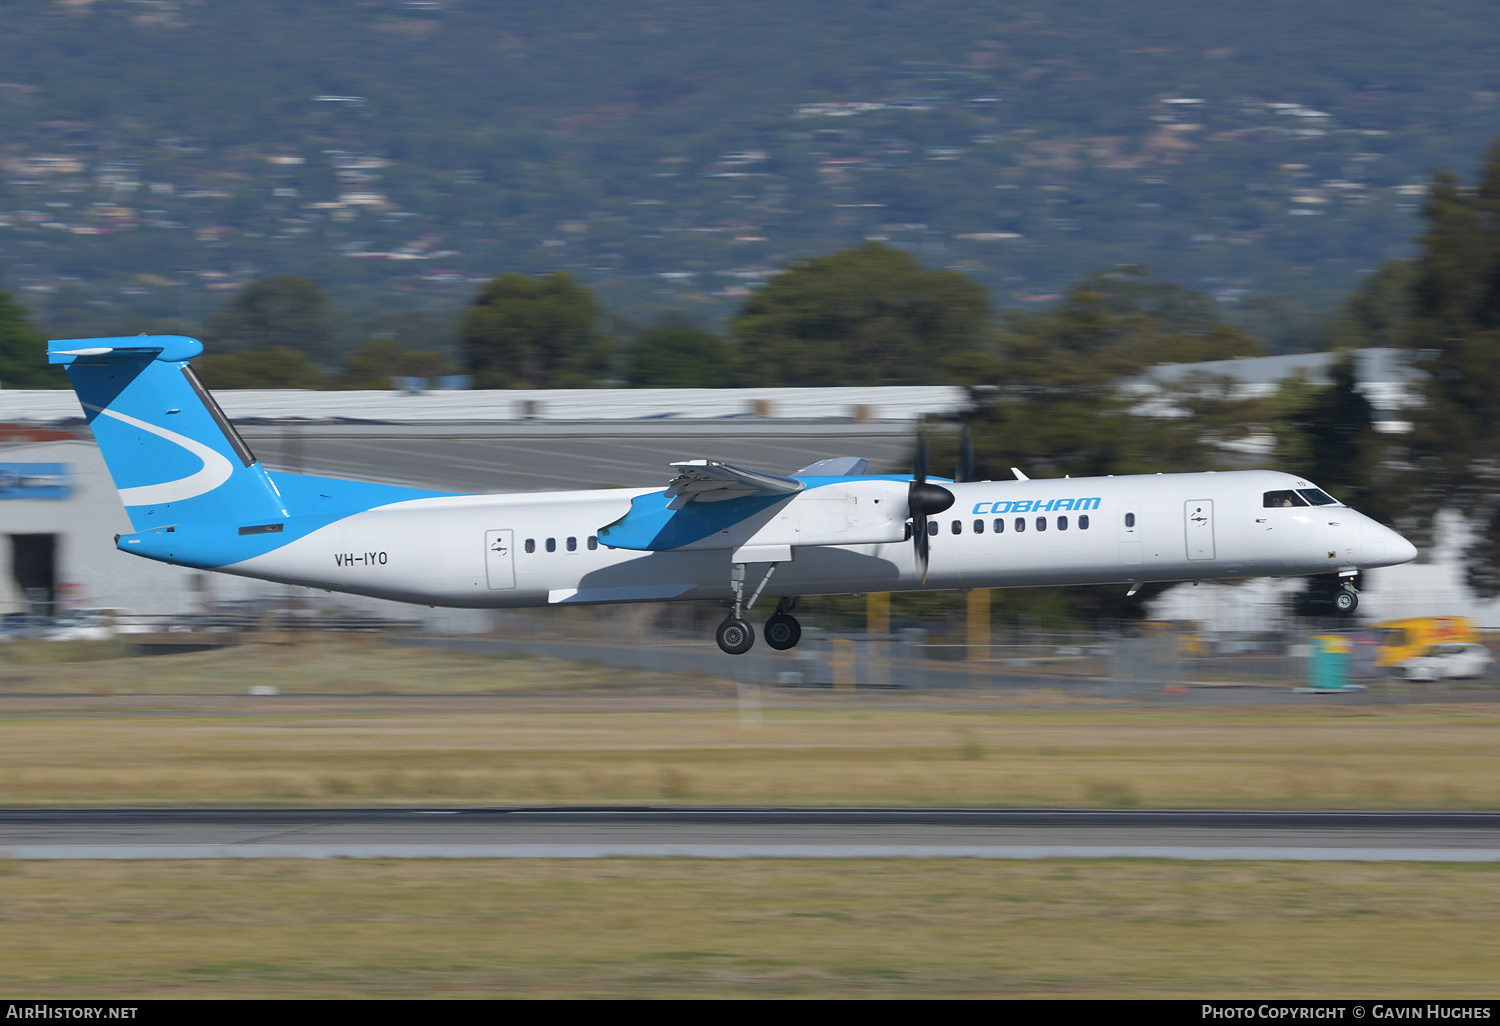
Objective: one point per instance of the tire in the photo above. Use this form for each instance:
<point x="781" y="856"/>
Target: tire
<point x="735" y="636"/>
<point x="1346" y="601"/>
<point x="782" y="632"/>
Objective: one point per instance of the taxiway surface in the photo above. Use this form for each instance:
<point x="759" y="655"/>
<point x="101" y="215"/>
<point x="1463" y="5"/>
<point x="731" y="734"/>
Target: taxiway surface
<point x="745" y="833"/>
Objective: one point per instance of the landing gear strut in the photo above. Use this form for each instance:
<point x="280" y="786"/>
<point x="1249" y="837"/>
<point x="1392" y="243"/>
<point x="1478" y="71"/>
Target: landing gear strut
<point x="735" y="636"/>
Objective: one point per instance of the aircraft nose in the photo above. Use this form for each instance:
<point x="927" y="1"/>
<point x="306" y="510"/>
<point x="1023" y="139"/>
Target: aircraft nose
<point x="1399" y="550"/>
<point x="1380" y="546"/>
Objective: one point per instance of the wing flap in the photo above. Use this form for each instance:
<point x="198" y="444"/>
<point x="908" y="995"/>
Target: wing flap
<point x="712" y="481"/>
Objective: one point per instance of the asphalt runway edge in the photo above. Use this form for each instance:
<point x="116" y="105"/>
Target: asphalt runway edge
<point x="118" y="852"/>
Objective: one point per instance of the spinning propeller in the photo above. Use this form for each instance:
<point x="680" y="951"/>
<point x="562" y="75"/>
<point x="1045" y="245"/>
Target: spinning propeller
<point x="924" y="500"/>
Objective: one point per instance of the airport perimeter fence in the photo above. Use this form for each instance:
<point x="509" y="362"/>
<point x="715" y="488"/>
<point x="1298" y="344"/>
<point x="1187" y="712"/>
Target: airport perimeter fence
<point x="1121" y="661"/>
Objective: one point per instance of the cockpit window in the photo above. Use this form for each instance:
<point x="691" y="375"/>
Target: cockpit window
<point x="1274" y="500"/>
<point x="1317" y="496"/>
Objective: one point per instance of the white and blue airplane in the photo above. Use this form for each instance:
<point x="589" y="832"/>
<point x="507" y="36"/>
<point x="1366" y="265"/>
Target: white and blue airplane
<point x="198" y="497"/>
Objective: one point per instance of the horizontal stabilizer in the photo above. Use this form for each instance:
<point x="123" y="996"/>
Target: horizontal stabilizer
<point x="839" y="466"/>
<point x="166" y="348"/>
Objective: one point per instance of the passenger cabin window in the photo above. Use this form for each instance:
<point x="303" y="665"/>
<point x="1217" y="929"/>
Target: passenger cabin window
<point x="1041" y="523"/>
<point x="1083" y="521"/>
<point x="1062" y="523"/>
<point x="551" y="544"/>
<point x="999" y="526"/>
<point x="979" y="527"/>
<point x="572" y="544"/>
<point x="958" y="527"/>
<point x="1317" y="496"/>
<point x="1020" y="524"/>
<point x="530" y="544"/>
<point x="1129" y="519"/>
<point x="932" y="527"/>
<point x="593" y="543"/>
<point x="1276" y="500"/>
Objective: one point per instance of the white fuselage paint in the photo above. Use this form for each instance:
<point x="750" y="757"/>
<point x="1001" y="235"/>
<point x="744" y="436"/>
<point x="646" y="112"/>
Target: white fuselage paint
<point x="1185" y="527"/>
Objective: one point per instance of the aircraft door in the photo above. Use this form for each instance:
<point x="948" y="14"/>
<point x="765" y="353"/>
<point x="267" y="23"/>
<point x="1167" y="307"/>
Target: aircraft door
<point x="1198" y="520"/>
<point x="1130" y="534"/>
<point x="500" y="559"/>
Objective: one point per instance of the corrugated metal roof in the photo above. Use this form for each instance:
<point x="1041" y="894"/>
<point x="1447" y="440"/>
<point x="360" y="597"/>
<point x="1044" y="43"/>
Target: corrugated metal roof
<point x="890" y="402"/>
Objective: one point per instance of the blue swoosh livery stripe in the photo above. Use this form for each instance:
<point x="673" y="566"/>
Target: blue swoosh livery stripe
<point x="651" y="527"/>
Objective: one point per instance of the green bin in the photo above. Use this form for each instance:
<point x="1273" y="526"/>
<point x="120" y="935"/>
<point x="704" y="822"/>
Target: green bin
<point x="1328" y="659"/>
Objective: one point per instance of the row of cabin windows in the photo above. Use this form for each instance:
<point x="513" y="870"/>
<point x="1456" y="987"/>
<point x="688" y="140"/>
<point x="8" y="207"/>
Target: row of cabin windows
<point x="1020" y="524"/>
<point x="932" y="528"/>
<point x="572" y="543"/>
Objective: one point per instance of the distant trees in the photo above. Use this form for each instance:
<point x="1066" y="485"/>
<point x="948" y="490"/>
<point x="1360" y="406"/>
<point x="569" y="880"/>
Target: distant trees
<point x="866" y="316"/>
<point x="276" y="333"/>
<point x="23" y="351"/>
<point x="541" y="332"/>
<point x="376" y="364"/>
<point x="1328" y="436"/>
<point x="1055" y="398"/>
<point x="676" y="353"/>
<point x="1454" y="329"/>
<point x="276" y="367"/>
<point x="285" y="311"/>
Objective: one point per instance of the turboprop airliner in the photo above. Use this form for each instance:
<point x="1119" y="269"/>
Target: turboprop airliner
<point x="197" y="496"/>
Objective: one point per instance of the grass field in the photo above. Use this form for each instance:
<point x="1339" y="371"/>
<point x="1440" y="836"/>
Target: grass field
<point x="368" y="729"/>
<point x="760" y="928"/>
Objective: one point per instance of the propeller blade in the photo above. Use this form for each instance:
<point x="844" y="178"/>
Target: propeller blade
<point x="965" y="469"/>
<point x="924" y="550"/>
<point x="914" y="507"/>
<point x="919" y="461"/>
<point x="923" y="500"/>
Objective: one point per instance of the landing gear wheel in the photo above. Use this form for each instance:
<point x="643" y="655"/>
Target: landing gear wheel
<point x="1346" y="601"/>
<point x="782" y="631"/>
<point x="735" y="636"/>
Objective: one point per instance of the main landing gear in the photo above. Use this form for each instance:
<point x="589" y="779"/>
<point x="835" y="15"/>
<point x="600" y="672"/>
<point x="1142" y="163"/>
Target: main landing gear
<point x="735" y="635"/>
<point x="782" y="630"/>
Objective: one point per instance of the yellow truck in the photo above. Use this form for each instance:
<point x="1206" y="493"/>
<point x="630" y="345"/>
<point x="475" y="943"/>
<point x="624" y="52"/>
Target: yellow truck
<point x="1405" y="639"/>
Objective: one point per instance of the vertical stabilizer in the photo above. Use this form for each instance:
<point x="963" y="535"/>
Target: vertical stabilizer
<point x="174" y="456"/>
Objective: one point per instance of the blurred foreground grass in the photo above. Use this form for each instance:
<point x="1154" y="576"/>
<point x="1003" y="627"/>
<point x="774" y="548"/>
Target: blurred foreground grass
<point x="352" y="664"/>
<point x="374" y="724"/>
<point x="748" y="928"/>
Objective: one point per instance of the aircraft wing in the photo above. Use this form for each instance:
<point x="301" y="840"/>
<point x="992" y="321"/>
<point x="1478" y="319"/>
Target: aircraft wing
<point x="712" y="505"/>
<point x="712" y="481"/>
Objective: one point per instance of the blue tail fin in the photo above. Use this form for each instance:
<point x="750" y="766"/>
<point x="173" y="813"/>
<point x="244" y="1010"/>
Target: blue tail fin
<point x="173" y="454"/>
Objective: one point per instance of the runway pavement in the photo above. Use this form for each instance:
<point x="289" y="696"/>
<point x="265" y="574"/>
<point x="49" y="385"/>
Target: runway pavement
<point x="746" y="833"/>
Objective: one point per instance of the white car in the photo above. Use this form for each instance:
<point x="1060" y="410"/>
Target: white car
<point x="79" y="628"/>
<point x="1448" y="661"/>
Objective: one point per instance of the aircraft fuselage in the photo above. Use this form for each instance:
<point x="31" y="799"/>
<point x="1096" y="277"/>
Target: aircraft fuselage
<point x="537" y="549"/>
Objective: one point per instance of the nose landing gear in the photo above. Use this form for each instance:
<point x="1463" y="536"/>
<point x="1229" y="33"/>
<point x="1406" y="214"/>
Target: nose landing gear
<point x="1346" y="600"/>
